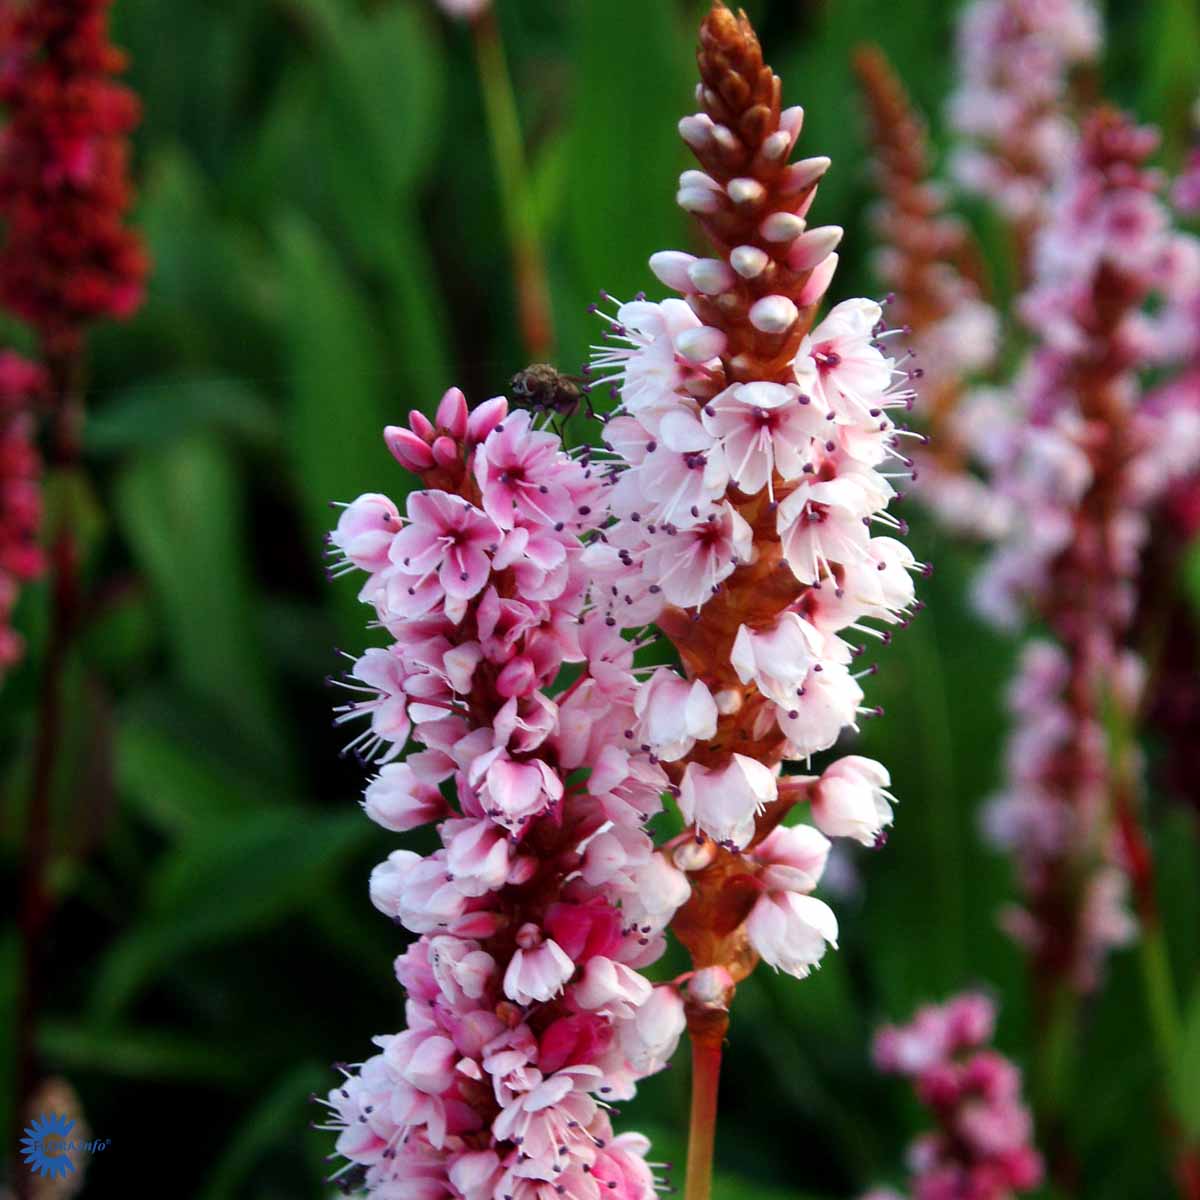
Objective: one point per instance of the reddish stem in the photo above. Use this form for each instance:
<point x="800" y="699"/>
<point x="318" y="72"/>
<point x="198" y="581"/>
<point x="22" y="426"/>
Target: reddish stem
<point x="707" y="1030"/>
<point x="36" y="902"/>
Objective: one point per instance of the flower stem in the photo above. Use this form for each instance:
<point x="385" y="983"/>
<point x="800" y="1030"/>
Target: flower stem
<point x="36" y="903"/>
<point x="1160" y="995"/>
<point x="707" y="1032"/>
<point x="508" y="153"/>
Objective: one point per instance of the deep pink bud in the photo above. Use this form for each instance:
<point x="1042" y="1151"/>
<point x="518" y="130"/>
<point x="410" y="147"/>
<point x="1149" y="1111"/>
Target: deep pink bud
<point x="940" y="1085"/>
<point x="485" y="418"/>
<point x="420" y="425"/>
<point x="585" y="930"/>
<point x="452" y="413"/>
<point x="408" y="449"/>
<point x="571" y="1040"/>
<point x="445" y="452"/>
<point x="518" y="678"/>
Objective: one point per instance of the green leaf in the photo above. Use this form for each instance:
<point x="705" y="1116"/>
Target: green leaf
<point x="142" y="1054"/>
<point x="1172" y="32"/>
<point x="337" y="413"/>
<point x="157" y="412"/>
<point x="211" y="286"/>
<point x="385" y="84"/>
<point x="236" y="878"/>
<point x="626" y="154"/>
<point x="1186" y="1080"/>
<point x="1190" y="575"/>
<point x="182" y="512"/>
<point x="273" y="1122"/>
<point x="169" y="770"/>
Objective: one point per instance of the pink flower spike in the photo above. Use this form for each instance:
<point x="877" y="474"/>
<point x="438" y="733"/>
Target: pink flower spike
<point x="764" y="428"/>
<point x="793" y="858"/>
<point x="818" y="282"/>
<point x="522" y="476"/>
<point x="421" y="425"/>
<point x="689" y="566"/>
<point x="671" y="267"/>
<point x="399" y="800"/>
<point x="446" y="452"/>
<point x="673" y="713"/>
<point x="777" y="660"/>
<point x="812" y="248"/>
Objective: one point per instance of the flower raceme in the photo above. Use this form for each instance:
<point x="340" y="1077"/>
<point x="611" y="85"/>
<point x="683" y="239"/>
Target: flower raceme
<point x="527" y="1012"/>
<point x="983" y="1146"/>
<point x="1015" y="59"/>
<point x="733" y="508"/>
<point x="1080" y="464"/>
<point x="935" y="270"/>
<point x="752" y="453"/>
<point x="64" y="189"/>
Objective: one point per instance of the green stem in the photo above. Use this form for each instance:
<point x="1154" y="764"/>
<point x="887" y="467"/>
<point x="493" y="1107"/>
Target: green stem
<point x="516" y="201"/>
<point x="943" y="811"/>
<point x="1056" y="1051"/>
<point x="1159" y="990"/>
<point x="1054" y="1064"/>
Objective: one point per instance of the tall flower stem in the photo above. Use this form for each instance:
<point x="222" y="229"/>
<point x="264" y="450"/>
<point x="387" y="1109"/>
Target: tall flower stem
<point x="1055" y="1050"/>
<point x="508" y="153"/>
<point x="36" y="902"/>
<point x="707" y="1032"/>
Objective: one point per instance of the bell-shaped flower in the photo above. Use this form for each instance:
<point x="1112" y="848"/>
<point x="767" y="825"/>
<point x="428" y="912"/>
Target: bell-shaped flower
<point x="851" y="799"/>
<point x="673" y="714"/>
<point x="723" y="802"/>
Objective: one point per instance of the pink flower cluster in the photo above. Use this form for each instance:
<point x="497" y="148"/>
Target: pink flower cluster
<point x="804" y="457"/>
<point x="64" y="186"/>
<point x="526" y="1010"/>
<point x="982" y="1148"/>
<point x="1055" y="809"/>
<point x="746" y="468"/>
<point x="1014" y="58"/>
<point x="1078" y="463"/>
<point x="20" y="496"/>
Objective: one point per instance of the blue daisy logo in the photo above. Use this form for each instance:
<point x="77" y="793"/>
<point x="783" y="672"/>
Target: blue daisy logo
<point x="45" y="1143"/>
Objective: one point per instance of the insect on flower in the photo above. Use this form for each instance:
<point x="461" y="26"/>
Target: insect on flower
<point x="541" y="388"/>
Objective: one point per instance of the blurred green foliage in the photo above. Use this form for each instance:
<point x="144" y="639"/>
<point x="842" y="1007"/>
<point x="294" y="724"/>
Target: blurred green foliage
<point x="319" y="198"/>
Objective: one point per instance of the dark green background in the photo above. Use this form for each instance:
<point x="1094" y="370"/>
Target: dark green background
<point x="318" y="195"/>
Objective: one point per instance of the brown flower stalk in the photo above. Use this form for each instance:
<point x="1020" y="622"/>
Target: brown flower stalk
<point x="933" y="266"/>
<point x="740" y="93"/>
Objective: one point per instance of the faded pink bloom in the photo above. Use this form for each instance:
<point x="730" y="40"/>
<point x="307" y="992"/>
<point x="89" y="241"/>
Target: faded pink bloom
<point x="983" y="1145"/>
<point x="538" y="969"/>
<point x="672" y="714"/>
<point x="851" y="800"/>
<point x="724" y="802"/>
